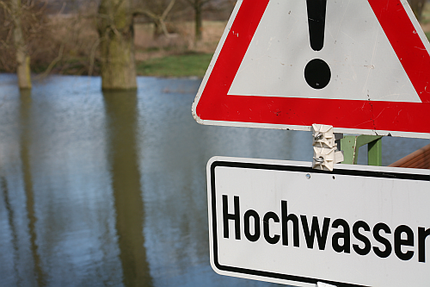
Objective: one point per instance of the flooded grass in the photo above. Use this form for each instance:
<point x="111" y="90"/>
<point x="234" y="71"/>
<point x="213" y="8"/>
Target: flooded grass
<point x="185" y="65"/>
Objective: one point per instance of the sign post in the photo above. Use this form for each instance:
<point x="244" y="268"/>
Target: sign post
<point x="350" y="146"/>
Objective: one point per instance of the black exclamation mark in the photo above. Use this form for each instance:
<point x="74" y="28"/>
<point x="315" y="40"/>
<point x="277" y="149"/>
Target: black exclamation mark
<point x="317" y="72"/>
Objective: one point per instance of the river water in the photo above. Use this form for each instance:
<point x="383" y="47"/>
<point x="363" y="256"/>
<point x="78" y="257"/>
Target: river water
<point x="109" y="189"/>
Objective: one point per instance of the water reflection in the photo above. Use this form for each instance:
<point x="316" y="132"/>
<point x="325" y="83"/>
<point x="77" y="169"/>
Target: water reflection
<point x="25" y="139"/>
<point x="121" y="108"/>
<point x="110" y="190"/>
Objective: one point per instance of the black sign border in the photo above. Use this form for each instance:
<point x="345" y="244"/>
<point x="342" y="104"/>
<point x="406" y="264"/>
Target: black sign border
<point x="304" y="169"/>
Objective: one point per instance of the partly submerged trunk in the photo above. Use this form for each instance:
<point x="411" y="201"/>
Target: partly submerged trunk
<point x="22" y="57"/>
<point x="115" y="27"/>
<point x="198" y="7"/>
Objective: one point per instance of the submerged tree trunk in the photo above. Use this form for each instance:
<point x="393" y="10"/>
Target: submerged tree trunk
<point x="115" y="28"/>
<point x="22" y="57"/>
<point x="198" y="20"/>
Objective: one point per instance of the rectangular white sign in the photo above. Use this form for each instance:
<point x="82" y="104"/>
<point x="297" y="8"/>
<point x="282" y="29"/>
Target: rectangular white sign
<point x="284" y="222"/>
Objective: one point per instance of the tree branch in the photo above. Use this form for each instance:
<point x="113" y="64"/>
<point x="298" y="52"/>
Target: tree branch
<point x="167" y="10"/>
<point x="92" y="56"/>
<point x="157" y="18"/>
<point x="53" y="63"/>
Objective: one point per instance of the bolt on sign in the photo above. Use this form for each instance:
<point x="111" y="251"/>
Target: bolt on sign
<point x="360" y="66"/>
<point x="284" y="222"/>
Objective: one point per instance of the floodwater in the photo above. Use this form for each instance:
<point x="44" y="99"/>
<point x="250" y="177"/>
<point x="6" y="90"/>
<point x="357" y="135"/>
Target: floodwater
<point x="109" y="189"/>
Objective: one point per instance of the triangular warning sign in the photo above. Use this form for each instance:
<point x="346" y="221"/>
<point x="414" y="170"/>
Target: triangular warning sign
<point x="366" y="72"/>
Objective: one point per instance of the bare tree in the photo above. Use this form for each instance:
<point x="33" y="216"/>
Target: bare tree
<point x="115" y="28"/>
<point x="22" y="56"/>
<point x="12" y="20"/>
<point x="197" y="6"/>
<point x="76" y="37"/>
<point x="216" y="8"/>
<point x="157" y="11"/>
<point x="418" y="7"/>
<point x="24" y="33"/>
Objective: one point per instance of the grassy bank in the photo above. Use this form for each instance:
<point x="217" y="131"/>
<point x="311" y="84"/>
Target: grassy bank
<point x="185" y="65"/>
<point x="189" y="64"/>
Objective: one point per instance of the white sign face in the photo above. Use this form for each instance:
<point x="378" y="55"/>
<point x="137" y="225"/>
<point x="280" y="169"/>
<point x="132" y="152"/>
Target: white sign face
<point x="283" y="222"/>
<point x="363" y="62"/>
<point x="359" y="66"/>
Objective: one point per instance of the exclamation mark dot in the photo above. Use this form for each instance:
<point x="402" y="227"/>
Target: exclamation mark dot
<point x="317" y="71"/>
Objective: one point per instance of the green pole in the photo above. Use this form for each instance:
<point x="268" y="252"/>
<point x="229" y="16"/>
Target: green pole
<point x="374" y="152"/>
<point x="351" y="144"/>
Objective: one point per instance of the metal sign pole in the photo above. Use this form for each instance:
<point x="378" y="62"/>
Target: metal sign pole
<point x="350" y="146"/>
